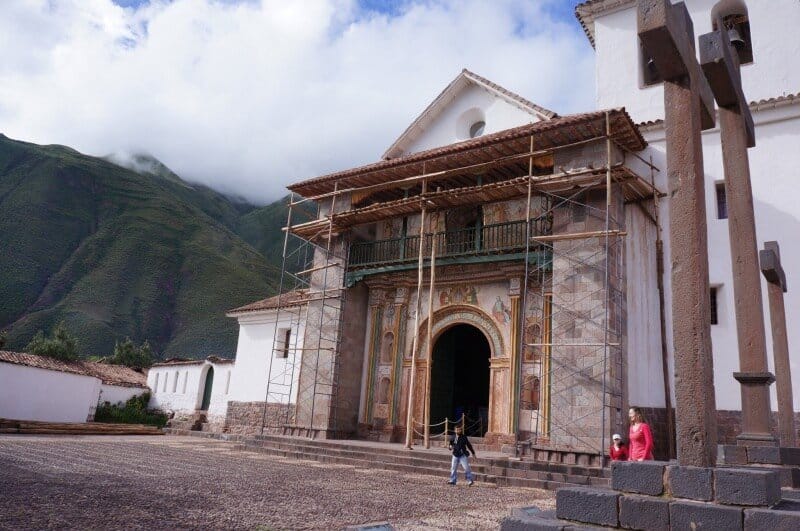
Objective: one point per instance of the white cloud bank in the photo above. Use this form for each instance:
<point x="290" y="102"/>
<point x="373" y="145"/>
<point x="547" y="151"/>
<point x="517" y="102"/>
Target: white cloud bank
<point x="248" y="97"/>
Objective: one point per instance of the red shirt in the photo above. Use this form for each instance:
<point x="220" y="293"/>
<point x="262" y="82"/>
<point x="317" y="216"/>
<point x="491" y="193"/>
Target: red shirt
<point x="618" y="454"/>
<point x="641" y="443"/>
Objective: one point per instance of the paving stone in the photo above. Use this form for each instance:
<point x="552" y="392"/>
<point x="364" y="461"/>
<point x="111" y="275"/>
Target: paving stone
<point x="640" y="477"/>
<point x="696" y="515"/>
<point x="643" y="512"/>
<point x="731" y="454"/>
<point x="770" y="455"/>
<point x="588" y="505"/>
<point x="771" y="519"/>
<point x="691" y="482"/>
<point x="744" y="486"/>
<point x="167" y="482"/>
<point x="532" y="523"/>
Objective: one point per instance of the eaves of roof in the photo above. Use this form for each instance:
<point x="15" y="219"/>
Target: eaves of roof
<point x="569" y="128"/>
<point x="449" y="92"/>
<point x="587" y="11"/>
<point x="755" y="106"/>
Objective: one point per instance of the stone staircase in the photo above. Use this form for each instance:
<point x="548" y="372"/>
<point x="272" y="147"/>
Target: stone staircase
<point x="489" y="467"/>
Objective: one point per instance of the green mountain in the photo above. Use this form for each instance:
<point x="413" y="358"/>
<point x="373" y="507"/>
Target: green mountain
<point x="116" y="252"/>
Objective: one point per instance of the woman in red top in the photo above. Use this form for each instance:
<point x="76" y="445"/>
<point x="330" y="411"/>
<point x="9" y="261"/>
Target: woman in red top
<point x="640" y="437"/>
<point x="618" y="450"/>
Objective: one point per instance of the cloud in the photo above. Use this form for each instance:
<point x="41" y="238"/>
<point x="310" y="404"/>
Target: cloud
<point x="250" y="96"/>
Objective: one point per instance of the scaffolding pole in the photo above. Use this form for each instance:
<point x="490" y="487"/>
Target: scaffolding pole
<point x="415" y="345"/>
<point x="429" y="353"/>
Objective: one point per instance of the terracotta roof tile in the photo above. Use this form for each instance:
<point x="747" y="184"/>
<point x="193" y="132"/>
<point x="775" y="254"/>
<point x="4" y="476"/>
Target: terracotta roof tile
<point x="187" y="361"/>
<point x="627" y="128"/>
<point x="106" y="373"/>
<point x="291" y="298"/>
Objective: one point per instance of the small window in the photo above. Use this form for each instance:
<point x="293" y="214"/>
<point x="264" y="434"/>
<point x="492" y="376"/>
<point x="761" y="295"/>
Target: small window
<point x="722" y="201"/>
<point x="185" y="380"/>
<point x="228" y="382"/>
<point x="175" y="382"/>
<point x="714" y="314"/>
<point x="284" y="340"/>
<point x="155" y="386"/>
<point x="166" y="379"/>
<point x="476" y="129"/>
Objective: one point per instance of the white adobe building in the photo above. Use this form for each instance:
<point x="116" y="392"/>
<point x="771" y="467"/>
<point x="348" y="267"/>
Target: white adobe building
<point x="49" y="390"/>
<point x="223" y="390"/>
<point x="186" y="387"/>
<point x="772" y="83"/>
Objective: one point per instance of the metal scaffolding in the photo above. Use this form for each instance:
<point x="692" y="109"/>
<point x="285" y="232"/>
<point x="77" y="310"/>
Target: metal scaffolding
<point x="570" y="367"/>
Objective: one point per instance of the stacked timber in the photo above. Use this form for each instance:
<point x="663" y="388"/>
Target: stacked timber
<point x="31" y="427"/>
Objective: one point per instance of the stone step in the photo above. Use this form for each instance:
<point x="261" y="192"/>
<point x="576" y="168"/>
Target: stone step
<point x="480" y="476"/>
<point x="437" y="463"/>
<point x="492" y="469"/>
<point x="524" y="464"/>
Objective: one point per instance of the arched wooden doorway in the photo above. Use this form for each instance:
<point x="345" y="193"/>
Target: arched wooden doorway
<point x="460" y="378"/>
<point x="207" y="389"/>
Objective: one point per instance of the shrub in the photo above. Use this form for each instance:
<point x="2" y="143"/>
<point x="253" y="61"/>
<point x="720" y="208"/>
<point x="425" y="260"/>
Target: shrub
<point x="61" y="345"/>
<point x="134" y="411"/>
<point x="128" y="354"/>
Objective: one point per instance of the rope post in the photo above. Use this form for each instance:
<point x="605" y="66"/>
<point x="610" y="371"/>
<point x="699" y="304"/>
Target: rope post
<point x="446" y="430"/>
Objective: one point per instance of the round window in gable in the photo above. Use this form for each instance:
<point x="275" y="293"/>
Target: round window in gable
<point x="476" y="129"/>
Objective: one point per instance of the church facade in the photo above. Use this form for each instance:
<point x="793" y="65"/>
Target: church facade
<point x="507" y="267"/>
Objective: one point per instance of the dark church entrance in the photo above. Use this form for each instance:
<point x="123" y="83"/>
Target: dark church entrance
<point x="460" y="378"/>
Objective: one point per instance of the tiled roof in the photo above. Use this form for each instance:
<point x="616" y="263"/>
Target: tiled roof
<point x="186" y="361"/>
<point x="787" y="99"/>
<point x="116" y="374"/>
<point x="106" y="373"/>
<point x="511" y="95"/>
<point x="586" y="11"/>
<point x="443" y="99"/>
<point x="623" y="131"/>
<point x="291" y="298"/>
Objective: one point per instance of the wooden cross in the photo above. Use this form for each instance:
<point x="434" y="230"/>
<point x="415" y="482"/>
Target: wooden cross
<point x="773" y="271"/>
<point x="667" y="35"/>
<point x="720" y="63"/>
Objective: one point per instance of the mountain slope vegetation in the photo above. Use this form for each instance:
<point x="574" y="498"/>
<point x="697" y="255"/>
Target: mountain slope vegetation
<point x="118" y="253"/>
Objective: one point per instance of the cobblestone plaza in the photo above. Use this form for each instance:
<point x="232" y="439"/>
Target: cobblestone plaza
<point x="71" y="482"/>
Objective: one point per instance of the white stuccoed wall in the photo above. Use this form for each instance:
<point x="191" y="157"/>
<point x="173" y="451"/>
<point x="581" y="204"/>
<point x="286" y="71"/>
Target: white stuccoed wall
<point x="470" y="105"/>
<point x="774" y="161"/>
<point x="30" y="393"/>
<point x="254" y="351"/>
<point x="186" y="395"/>
<point x="115" y="394"/>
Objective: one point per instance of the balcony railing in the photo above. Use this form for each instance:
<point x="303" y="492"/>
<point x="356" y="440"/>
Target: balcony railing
<point x="473" y="241"/>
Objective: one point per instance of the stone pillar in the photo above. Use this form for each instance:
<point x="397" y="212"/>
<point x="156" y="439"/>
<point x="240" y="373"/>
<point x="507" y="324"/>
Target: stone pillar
<point x="667" y="34"/>
<point x="721" y="68"/>
<point x="776" y="286"/>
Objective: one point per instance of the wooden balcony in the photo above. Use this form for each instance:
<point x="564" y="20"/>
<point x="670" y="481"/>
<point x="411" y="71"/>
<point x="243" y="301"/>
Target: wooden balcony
<point x="451" y="246"/>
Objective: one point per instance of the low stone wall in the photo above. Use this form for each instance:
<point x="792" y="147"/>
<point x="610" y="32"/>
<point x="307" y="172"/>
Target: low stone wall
<point x="247" y="418"/>
<point x="729" y="425"/>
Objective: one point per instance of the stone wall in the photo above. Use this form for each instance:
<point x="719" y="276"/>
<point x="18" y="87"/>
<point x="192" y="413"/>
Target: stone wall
<point x="729" y="425"/>
<point x="582" y="368"/>
<point x="246" y="418"/>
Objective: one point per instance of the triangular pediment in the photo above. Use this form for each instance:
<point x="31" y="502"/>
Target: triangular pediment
<point x="470" y="105"/>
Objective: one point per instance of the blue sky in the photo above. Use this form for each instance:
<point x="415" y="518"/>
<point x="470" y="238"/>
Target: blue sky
<point x="248" y="96"/>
